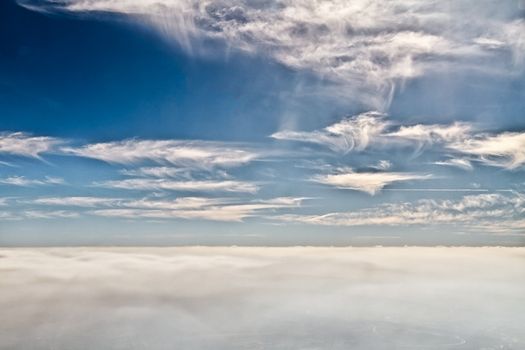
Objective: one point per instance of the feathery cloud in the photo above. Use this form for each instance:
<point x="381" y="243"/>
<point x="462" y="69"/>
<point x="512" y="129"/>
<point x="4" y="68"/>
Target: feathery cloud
<point x="506" y="150"/>
<point x="476" y="211"/>
<point x="191" y="185"/>
<point x="354" y="133"/>
<point x="370" y="182"/>
<point x="367" y="46"/>
<point x="23" y="144"/>
<point x="25" y="182"/>
<point x="197" y="154"/>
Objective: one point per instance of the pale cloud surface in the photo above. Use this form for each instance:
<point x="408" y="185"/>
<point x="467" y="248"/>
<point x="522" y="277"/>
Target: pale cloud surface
<point x="271" y="122"/>
<point x="249" y="297"/>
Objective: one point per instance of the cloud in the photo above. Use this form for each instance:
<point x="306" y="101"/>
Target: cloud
<point x="191" y="208"/>
<point x="23" y="144"/>
<point x="40" y="214"/>
<point x="366" y="46"/>
<point x="162" y="172"/>
<point x="461" y="163"/>
<point x="354" y="133"/>
<point x="506" y="150"/>
<point x="370" y="182"/>
<point x="371" y="129"/>
<point x="382" y="165"/>
<point x="25" y="182"/>
<point x="192" y="185"/>
<point x="474" y="211"/>
<point x="195" y="154"/>
<point x="198" y="208"/>
<point x="76" y="201"/>
<point x="432" y="133"/>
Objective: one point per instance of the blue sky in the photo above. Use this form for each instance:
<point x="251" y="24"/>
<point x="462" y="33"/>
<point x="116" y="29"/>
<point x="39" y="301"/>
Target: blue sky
<point x="262" y="122"/>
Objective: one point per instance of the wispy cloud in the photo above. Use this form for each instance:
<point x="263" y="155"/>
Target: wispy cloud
<point x="354" y="133"/>
<point x="198" y="208"/>
<point x="25" y="182"/>
<point x="23" y="144"/>
<point x="372" y="129"/>
<point x="76" y="201"/>
<point x="191" y="208"/>
<point x="370" y="182"/>
<point x="367" y="46"/>
<point x="505" y="150"/>
<point x="192" y="185"/>
<point x="461" y="163"/>
<point x="196" y="154"/>
<point x="476" y="211"/>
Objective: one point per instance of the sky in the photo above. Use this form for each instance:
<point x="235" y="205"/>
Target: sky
<point x="142" y="122"/>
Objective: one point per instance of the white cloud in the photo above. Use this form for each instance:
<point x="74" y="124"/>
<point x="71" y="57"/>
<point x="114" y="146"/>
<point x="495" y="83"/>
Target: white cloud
<point x="196" y="154"/>
<point x="461" y="163"/>
<point x="367" y="45"/>
<point x="366" y="181"/>
<point x="40" y="214"/>
<point x="25" y="182"/>
<point x="23" y="144"/>
<point x="371" y="129"/>
<point x="192" y="185"/>
<point x="161" y="171"/>
<point x="505" y="150"/>
<point x="383" y="165"/>
<point x="198" y="208"/>
<point x="475" y="211"/>
<point x="354" y="133"/>
<point x="430" y="134"/>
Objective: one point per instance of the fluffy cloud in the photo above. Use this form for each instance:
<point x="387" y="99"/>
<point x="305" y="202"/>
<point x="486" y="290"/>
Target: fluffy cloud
<point x="474" y="211"/>
<point x="367" y="45"/>
<point x="22" y="144"/>
<point x="199" y="154"/>
<point x="25" y="182"/>
<point x="366" y="181"/>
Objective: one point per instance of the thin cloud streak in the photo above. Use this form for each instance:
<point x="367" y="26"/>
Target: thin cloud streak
<point x="25" y="182"/>
<point x="192" y="185"/>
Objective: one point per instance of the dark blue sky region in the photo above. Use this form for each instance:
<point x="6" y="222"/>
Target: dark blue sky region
<point x="262" y="122"/>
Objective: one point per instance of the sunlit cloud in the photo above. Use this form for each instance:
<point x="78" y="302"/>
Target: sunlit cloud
<point x="198" y="208"/>
<point x="354" y="133"/>
<point x="196" y="154"/>
<point x="23" y="144"/>
<point x="506" y="150"/>
<point x="370" y="182"/>
<point x="191" y="185"/>
<point x="474" y="211"/>
<point x="366" y="46"/>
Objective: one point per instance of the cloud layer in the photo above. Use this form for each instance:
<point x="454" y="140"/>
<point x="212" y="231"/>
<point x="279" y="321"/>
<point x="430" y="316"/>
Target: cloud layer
<point x="244" y="298"/>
